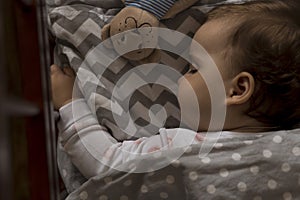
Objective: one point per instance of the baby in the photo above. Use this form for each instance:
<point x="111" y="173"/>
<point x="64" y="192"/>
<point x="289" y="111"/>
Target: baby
<point x="256" y="47"/>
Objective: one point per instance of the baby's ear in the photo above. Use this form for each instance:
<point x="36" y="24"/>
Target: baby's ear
<point x="105" y="34"/>
<point x="240" y="89"/>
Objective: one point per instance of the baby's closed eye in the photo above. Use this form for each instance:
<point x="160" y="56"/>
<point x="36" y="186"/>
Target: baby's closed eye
<point x="192" y="70"/>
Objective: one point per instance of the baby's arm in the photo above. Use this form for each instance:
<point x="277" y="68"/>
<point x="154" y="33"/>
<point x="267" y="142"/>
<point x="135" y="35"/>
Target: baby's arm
<point x="87" y="142"/>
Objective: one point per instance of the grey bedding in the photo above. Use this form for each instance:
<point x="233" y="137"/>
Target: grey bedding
<point x="77" y="27"/>
<point x="245" y="166"/>
<point x="240" y="168"/>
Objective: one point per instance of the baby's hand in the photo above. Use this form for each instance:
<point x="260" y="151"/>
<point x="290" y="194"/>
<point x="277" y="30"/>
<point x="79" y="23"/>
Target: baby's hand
<point x="62" y="82"/>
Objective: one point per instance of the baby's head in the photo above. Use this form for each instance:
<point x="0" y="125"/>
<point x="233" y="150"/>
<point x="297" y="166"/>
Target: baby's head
<point x="256" y="47"/>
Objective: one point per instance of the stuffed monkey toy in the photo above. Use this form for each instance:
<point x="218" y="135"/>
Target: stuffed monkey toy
<point x="141" y="14"/>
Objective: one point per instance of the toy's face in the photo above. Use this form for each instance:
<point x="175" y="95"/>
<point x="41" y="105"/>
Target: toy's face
<point x="133" y="31"/>
<point x="139" y="42"/>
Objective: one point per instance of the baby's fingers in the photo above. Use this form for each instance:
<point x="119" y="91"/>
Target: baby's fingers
<point x="55" y="69"/>
<point x="69" y="71"/>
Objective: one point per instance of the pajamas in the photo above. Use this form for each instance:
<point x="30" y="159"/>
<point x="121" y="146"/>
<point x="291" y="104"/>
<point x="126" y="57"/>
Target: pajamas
<point x="85" y="141"/>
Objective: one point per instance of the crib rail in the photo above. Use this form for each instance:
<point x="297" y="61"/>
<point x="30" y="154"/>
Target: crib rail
<point x="27" y="136"/>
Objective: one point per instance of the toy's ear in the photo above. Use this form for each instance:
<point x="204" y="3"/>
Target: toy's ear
<point x="178" y="7"/>
<point x="105" y="34"/>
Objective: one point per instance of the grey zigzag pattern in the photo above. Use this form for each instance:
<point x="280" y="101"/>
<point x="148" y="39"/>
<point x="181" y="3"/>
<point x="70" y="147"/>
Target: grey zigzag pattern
<point x="78" y="28"/>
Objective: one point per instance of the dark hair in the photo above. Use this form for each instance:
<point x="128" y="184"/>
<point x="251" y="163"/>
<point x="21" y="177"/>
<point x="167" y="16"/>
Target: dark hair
<point x="265" y="41"/>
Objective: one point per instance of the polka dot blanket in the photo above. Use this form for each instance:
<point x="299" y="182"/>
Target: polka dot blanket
<point x="240" y="166"/>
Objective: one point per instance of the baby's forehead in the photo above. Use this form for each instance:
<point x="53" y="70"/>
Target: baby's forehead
<point x="213" y="35"/>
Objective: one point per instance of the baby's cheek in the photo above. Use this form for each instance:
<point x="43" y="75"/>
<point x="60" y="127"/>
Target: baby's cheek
<point x="185" y="96"/>
<point x="185" y="91"/>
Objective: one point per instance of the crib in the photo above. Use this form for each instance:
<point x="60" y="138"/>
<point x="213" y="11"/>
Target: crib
<point x="260" y="166"/>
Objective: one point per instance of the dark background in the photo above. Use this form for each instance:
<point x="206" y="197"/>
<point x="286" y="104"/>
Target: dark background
<point x="27" y="140"/>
